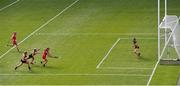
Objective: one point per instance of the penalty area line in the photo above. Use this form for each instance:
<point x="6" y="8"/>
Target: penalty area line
<point x="74" y="34"/>
<point x="107" y="54"/>
<point x="43" y="25"/>
<point x="9" y="5"/>
<point x="126" y="68"/>
<point x="130" y="75"/>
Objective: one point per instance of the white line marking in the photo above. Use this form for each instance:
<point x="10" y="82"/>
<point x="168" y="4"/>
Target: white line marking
<point x="154" y="69"/>
<point x="126" y="68"/>
<point x="131" y="75"/>
<point x="90" y="34"/>
<point x="9" y="5"/>
<point x="105" y="57"/>
<point x="94" y="34"/>
<point x="41" y="27"/>
<point x="141" y="38"/>
<point x="54" y="34"/>
<point x="159" y="58"/>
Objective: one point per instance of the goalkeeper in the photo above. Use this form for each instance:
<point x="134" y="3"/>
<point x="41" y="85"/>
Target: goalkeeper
<point x="136" y="47"/>
<point x="137" y="50"/>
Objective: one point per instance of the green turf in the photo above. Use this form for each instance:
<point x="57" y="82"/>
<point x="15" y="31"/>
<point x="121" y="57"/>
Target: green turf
<point x="81" y="37"/>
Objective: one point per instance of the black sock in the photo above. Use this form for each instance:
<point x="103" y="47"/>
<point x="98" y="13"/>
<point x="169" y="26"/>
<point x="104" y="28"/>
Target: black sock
<point x="29" y="68"/>
<point x="16" y="68"/>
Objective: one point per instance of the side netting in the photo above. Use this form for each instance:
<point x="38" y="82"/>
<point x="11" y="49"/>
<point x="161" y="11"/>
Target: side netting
<point x="178" y="81"/>
<point x="170" y="40"/>
<point x="176" y="39"/>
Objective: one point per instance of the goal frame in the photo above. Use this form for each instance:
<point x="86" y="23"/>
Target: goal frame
<point x="166" y="34"/>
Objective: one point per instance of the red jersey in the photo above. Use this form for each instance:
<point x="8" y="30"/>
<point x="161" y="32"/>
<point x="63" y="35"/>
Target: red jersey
<point x="45" y="53"/>
<point x="13" y="37"/>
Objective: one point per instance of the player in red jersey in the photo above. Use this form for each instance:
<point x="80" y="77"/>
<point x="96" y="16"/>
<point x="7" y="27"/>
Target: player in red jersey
<point x="14" y="41"/>
<point x="44" y="56"/>
<point x="24" y="60"/>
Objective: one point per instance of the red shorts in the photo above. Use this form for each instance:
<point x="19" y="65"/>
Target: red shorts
<point x="44" y="57"/>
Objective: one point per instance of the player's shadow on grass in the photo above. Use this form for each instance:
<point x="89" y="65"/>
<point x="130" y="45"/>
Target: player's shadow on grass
<point x="144" y="58"/>
<point x="21" y="71"/>
<point x="41" y="66"/>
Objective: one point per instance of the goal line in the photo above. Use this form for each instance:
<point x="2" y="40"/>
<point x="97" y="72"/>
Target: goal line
<point x="127" y="68"/>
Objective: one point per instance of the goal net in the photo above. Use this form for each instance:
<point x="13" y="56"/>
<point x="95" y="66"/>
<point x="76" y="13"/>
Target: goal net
<point x="169" y="33"/>
<point x="170" y="38"/>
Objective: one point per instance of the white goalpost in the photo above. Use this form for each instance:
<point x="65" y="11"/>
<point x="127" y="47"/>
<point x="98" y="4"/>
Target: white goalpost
<point x="168" y="36"/>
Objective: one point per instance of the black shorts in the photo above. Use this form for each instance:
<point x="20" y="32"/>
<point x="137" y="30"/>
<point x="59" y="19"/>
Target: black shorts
<point x="23" y="61"/>
<point x="31" y="56"/>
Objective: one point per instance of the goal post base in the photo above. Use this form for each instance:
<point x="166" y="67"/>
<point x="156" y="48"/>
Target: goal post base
<point x="178" y="81"/>
<point x="170" y="62"/>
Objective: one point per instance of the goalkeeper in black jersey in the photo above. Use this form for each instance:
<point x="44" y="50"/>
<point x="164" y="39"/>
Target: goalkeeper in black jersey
<point x="137" y="50"/>
<point x="136" y="47"/>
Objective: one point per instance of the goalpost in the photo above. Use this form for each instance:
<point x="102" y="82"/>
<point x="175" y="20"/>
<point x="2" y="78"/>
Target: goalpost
<point x="168" y="36"/>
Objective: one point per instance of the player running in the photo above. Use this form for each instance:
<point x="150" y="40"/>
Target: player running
<point x="14" y="41"/>
<point x="44" y="56"/>
<point x="137" y="50"/>
<point x="134" y="41"/>
<point x="24" y="60"/>
<point x="31" y="56"/>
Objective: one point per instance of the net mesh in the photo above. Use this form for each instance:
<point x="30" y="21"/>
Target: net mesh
<point x="170" y="37"/>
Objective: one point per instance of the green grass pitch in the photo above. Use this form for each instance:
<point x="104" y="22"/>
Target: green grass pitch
<point x="82" y="33"/>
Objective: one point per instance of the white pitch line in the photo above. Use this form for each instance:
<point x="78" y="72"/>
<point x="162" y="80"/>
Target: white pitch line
<point x="54" y="34"/>
<point x="145" y="38"/>
<point x="92" y="34"/>
<point x="95" y="34"/>
<point x="131" y="75"/>
<point x="41" y="27"/>
<point x="159" y="58"/>
<point x="126" y="68"/>
<point x="105" y="57"/>
<point x="155" y="67"/>
<point x="9" y="5"/>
